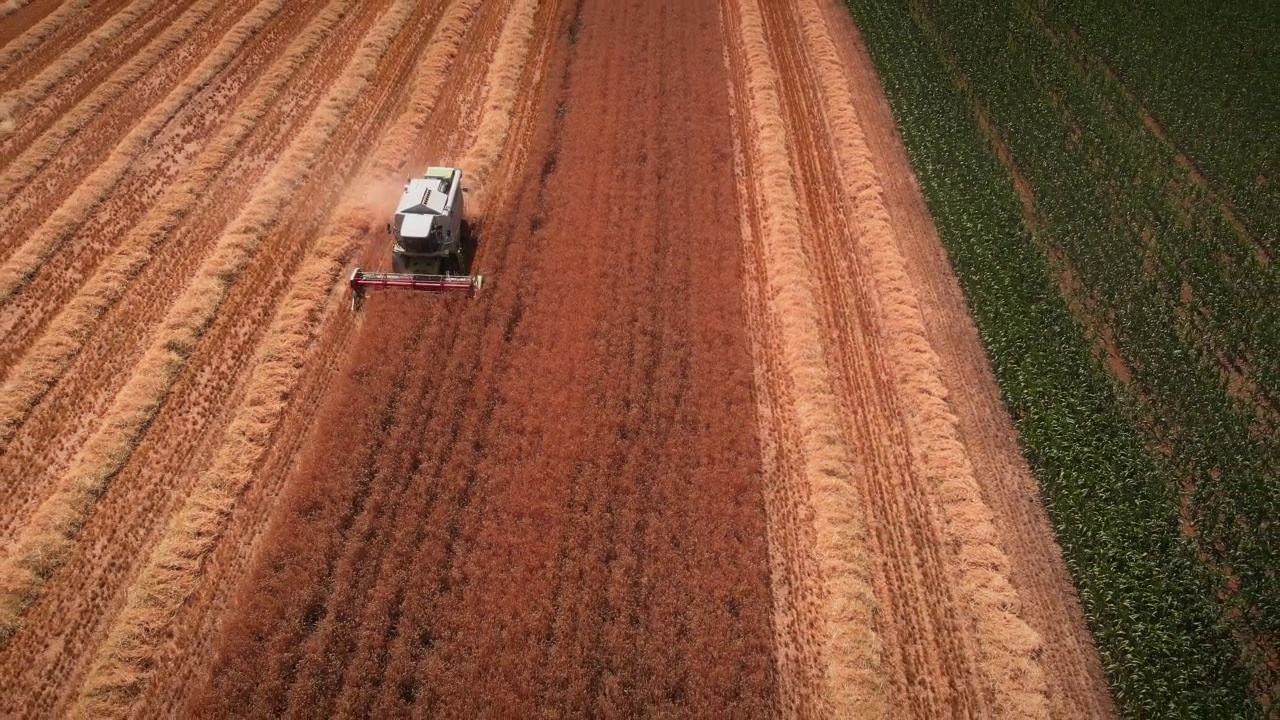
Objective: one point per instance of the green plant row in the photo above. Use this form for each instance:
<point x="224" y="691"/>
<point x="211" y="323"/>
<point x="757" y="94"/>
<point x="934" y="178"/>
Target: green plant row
<point x="1186" y="299"/>
<point x="1206" y="70"/>
<point x="1110" y="456"/>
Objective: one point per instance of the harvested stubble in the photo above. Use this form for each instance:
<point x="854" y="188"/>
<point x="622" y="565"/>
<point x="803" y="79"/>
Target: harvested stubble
<point x="503" y="83"/>
<point x="41" y="367"/>
<point x="19" y="267"/>
<point x="47" y="536"/>
<point x="126" y="658"/>
<point x="35" y="35"/>
<point x="845" y="662"/>
<point x="14" y="103"/>
<point x="1006" y="643"/>
<point x="37" y="154"/>
<point x="50" y="356"/>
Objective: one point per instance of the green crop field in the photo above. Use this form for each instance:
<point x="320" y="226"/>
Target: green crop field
<point x="1104" y="180"/>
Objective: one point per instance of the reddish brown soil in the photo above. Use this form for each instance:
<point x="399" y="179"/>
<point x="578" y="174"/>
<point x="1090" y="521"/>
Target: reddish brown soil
<point x="717" y="437"/>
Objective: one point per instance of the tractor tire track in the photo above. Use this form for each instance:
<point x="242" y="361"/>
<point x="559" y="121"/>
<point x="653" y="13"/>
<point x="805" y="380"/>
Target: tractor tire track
<point x="936" y="670"/>
<point x="1009" y="676"/>
<point x="826" y="630"/>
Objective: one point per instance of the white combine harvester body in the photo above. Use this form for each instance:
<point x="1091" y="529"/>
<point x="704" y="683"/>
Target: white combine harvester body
<point x="428" y="237"/>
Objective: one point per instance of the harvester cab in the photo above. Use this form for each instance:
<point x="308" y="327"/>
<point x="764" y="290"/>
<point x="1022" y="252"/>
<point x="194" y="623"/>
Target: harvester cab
<point x="428" y="254"/>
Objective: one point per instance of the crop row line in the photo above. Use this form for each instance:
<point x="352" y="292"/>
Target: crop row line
<point x="125" y="660"/>
<point x="1096" y="180"/>
<point x="848" y="645"/>
<point x="37" y="155"/>
<point x="33" y="37"/>
<point x="44" y="542"/>
<point x="1184" y="300"/>
<point x="1004" y="641"/>
<point x="503" y="83"/>
<point x="1069" y="38"/>
<point x="19" y="268"/>
<point x="15" y="102"/>
<point x="50" y="356"/>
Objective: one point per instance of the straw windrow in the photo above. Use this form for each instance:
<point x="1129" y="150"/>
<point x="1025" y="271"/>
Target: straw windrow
<point x="46" y="539"/>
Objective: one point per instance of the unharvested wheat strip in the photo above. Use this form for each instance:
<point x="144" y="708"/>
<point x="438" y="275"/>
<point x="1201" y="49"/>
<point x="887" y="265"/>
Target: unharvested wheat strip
<point x="19" y="268"/>
<point x="37" y="33"/>
<point x="503" y="82"/>
<point x="45" y="541"/>
<point x="16" y="102"/>
<point x="1006" y="644"/>
<point x="49" y="356"/>
<point x="124" y="662"/>
<point x="51" y="140"/>
<point x="851" y="647"/>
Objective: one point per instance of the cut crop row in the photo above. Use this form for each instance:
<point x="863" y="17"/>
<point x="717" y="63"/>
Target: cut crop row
<point x="47" y="537"/>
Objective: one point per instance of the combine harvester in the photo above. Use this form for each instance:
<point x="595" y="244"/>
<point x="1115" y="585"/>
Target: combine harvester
<point x="428" y="231"/>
